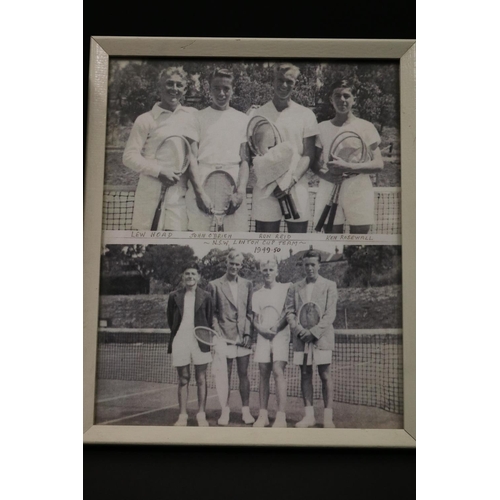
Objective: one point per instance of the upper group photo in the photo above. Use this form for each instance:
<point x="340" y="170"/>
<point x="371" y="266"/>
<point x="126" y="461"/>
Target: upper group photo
<point x="253" y="146"/>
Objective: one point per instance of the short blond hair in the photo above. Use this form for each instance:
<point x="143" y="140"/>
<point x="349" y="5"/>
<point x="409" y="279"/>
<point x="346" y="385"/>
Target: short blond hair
<point x="284" y="67"/>
<point x="233" y="254"/>
<point x="172" y="70"/>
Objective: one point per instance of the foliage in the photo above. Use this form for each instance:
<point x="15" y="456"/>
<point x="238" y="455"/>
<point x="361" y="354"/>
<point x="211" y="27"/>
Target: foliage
<point x="161" y="262"/>
<point x="373" y="265"/>
<point x="365" y="266"/>
<point x="133" y="87"/>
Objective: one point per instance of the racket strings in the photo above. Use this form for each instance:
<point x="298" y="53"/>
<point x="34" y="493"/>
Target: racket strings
<point x="309" y="315"/>
<point x="220" y="189"/>
<point x="206" y="335"/>
<point x="174" y="153"/>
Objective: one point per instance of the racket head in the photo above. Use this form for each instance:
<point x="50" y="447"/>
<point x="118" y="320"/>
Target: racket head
<point x="262" y="135"/>
<point x="173" y="153"/>
<point x="220" y="187"/>
<point x="268" y="317"/>
<point x="350" y="147"/>
<point x="309" y="315"/>
<point x="206" y="335"/>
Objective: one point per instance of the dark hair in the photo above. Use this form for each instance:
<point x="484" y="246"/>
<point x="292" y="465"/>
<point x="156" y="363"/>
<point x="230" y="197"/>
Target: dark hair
<point x="345" y="83"/>
<point x="312" y="254"/>
<point x="191" y="265"/>
<point x="220" y="73"/>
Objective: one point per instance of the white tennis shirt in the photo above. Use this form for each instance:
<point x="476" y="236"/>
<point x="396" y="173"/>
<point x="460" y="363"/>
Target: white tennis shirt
<point x="187" y="323"/>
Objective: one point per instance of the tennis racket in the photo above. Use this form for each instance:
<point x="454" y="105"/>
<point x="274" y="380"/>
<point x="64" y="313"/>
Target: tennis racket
<point x="262" y="135"/>
<point x="351" y="148"/>
<point x="268" y="317"/>
<point x="309" y="316"/>
<point x="172" y="153"/>
<point x="210" y="337"/>
<point x="220" y="187"/>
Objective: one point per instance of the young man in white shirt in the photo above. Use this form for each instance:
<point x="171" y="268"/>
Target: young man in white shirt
<point x="189" y="307"/>
<point x="298" y="126"/>
<point x="273" y="344"/>
<point x="220" y="144"/>
<point x="356" y="202"/>
<point x="167" y="117"/>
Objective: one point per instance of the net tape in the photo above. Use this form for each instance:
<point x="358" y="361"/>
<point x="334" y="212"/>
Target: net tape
<point x="367" y="368"/>
<point x="118" y="208"/>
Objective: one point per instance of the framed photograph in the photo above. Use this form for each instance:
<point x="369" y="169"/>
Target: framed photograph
<point x="249" y="242"/>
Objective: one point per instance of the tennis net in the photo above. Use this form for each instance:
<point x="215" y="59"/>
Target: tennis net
<point x="367" y="365"/>
<point x="118" y="208"/>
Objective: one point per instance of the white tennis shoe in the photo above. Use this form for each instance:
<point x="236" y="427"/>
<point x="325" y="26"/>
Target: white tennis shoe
<point x="201" y="418"/>
<point x="247" y="416"/>
<point x="262" y="421"/>
<point x="224" y="417"/>
<point x="182" y="421"/>
<point x="307" y="421"/>
<point x="280" y="420"/>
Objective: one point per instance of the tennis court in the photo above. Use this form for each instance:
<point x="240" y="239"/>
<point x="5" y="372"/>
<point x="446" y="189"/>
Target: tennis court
<point x="136" y="384"/>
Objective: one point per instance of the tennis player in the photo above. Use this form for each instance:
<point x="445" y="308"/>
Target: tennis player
<point x="187" y="308"/>
<point x="232" y="300"/>
<point x="314" y="288"/>
<point x="167" y="117"/>
<point x="272" y="347"/>
<point x="220" y="137"/>
<point x="356" y="202"/>
<point x="299" y="127"/>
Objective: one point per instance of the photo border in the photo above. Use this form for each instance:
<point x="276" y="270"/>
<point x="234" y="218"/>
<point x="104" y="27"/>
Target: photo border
<point x="101" y="48"/>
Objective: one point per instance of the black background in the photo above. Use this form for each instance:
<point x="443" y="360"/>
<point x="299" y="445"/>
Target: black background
<point x="142" y="472"/>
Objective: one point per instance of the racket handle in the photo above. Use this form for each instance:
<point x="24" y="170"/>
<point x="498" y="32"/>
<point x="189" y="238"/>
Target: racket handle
<point x="331" y="218"/>
<point x="156" y="218"/>
<point x="293" y="207"/>
<point x="306" y="353"/>
<point x="280" y="196"/>
<point x="322" y="219"/>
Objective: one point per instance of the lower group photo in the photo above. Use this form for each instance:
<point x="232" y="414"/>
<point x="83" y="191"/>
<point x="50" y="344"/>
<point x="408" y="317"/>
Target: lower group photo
<point x="276" y="334"/>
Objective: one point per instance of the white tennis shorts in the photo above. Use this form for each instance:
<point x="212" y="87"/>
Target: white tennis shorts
<point x="319" y="357"/>
<point x="174" y="209"/>
<point x="277" y="348"/>
<point x="356" y="204"/>
<point x="185" y="349"/>
<point x="235" y="351"/>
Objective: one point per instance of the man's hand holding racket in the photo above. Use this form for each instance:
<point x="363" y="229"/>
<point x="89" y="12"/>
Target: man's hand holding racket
<point x="168" y="177"/>
<point x="247" y="341"/>
<point x="236" y="201"/>
<point x="306" y="336"/>
<point x="338" y="166"/>
<point x="267" y="333"/>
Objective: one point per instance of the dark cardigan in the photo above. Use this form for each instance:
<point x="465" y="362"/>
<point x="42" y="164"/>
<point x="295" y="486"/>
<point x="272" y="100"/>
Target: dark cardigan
<point x="203" y="314"/>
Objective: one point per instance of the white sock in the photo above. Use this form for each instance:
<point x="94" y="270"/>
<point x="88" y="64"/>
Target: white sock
<point x="310" y="411"/>
<point x="183" y="416"/>
<point x="262" y="413"/>
<point x="328" y="414"/>
<point x="201" y="414"/>
<point x="280" y="415"/>
<point x="245" y="409"/>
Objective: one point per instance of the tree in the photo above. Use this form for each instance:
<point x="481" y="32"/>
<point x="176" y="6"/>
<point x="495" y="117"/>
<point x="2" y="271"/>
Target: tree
<point x="370" y="262"/>
<point x="214" y="266"/>
<point x="162" y="262"/>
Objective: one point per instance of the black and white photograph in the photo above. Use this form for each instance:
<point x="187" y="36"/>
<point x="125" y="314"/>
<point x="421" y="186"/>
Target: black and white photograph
<point x="253" y="146"/>
<point x="251" y="333"/>
<point x="248" y="271"/>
